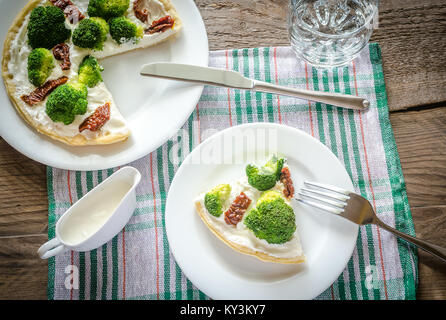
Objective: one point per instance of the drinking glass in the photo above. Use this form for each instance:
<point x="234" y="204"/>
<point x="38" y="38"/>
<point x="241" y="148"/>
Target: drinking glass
<point x="329" y="33"/>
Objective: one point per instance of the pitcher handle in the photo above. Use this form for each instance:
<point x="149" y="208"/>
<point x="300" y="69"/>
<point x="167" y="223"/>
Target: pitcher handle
<point x="51" y="248"/>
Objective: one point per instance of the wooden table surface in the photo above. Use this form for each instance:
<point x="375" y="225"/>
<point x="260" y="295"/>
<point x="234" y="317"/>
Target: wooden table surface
<point x="412" y="35"/>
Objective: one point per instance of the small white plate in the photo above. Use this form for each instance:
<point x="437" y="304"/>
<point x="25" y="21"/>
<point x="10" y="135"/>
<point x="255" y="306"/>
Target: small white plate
<point x="155" y="109"/>
<point x="222" y="273"/>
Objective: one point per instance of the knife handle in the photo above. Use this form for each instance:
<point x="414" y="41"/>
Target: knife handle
<point x="335" y="99"/>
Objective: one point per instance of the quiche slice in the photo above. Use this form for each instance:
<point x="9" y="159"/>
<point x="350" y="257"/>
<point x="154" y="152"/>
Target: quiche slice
<point x="56" y="42"/>
<point x="253" y="215"/>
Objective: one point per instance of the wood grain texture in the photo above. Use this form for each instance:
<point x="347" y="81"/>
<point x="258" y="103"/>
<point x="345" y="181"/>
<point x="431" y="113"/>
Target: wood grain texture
<point x="421" y="141"/>
<point x="22" y="274"/>
<point x="430" y="224"/>
<point x="412" y="37"/>
<point x="23" y="197"/>
<point x="411" y="34"/>
<point x="420" y="137"/>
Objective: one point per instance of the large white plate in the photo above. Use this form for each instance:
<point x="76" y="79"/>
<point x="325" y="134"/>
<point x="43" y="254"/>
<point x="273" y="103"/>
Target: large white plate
<point x="222" y="273"/>
<point x="155" y="109"/>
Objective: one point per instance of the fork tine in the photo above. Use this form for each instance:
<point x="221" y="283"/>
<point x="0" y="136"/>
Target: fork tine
<point x="327" y="187"/>
<point x="324" y="200"/>
<point x="321" y="206"/>
<point x="334" y="196"/>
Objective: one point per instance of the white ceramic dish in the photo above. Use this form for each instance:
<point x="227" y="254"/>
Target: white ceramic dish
<point x="90" y="223"/>
<point x="222" y="273"/>
<point x="155" y="109"/>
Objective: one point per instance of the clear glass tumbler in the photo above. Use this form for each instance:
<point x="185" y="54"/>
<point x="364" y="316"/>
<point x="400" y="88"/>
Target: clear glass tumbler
<point x="328" y="33"/>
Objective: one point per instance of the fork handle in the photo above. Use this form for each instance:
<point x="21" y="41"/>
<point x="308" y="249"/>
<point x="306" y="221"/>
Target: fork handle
<point x="433" y="249"/>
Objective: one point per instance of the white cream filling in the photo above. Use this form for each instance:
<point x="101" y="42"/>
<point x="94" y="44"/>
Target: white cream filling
<point x="240" y="234"/>
<point x="98" y="95"/>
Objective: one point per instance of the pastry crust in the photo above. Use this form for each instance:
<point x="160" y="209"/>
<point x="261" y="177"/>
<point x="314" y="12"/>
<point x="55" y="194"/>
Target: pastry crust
<point x="242" y="249"/>
<point x="79" y="139"/>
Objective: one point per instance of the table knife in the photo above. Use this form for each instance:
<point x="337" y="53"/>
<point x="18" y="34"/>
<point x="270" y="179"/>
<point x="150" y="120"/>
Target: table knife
<point x="232" y="79"/>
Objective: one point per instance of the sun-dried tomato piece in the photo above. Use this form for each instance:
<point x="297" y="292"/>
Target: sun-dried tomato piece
<point x="140" y="11"/>
<point x="69" y="9"/>
<point x="61" y="4"/>
<point x="73" y="14"/>
<point x="62" y="52"/>
<point x="41" y="92"/>
<point x="285" y="178"/>
<point x="161" y="25"/>
<point x="97" y="119"/>
<point x="237" y="209"/>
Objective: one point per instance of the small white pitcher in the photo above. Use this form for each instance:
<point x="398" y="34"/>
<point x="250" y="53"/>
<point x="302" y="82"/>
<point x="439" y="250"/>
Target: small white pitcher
<point x="97" y="217"/>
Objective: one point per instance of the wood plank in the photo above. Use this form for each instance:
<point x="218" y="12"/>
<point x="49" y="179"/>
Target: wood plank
<point x="412" y="38"/>
<point x="23" y="197"/>
<point x="410" y="32"/>
<point x="421" y="141"/>
<point x="244" y="23"/>
<point x="430" y="223"/>
<point x="23" y="274"/>
<point x="420" y="137"/>
<point x="411" y="35"/>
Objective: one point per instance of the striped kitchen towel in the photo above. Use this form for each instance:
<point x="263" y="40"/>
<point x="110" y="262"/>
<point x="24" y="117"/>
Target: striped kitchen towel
<point x="137" y="263"/>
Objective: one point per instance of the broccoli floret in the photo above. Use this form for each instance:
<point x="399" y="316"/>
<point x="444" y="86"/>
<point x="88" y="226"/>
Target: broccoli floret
<point x="46" y="27"/>
<point x="272" y="219"/>
<point x="67" y="101"/>
<point x="265" y="177"/>
<point x="269" y="196"/>
<point x="123" y="30"/>
<point x="40" y="65"/>
<point x="104" y="26"/>
<point x="90" y="72"/>
<point x="91" y="33"/>
<point x="214" y="199"/>
<point x="107" y="8"/>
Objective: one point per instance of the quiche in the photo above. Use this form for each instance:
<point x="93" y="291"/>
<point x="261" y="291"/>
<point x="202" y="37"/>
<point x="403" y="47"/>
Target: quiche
<point x="51" y="41"/>
<point x="253" y="215"/>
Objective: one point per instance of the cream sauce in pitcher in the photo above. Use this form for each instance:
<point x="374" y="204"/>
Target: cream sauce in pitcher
<point x="97" y="217"/>
<point x="92" y="214"/>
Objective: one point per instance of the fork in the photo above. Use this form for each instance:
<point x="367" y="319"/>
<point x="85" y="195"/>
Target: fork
<point x="357" y="209"/>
